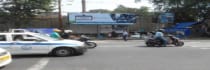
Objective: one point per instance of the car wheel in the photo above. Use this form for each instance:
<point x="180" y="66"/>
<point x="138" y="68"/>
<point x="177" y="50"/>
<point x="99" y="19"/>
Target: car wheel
<point x="62" y="52"/>
<point x="2" y="67"/>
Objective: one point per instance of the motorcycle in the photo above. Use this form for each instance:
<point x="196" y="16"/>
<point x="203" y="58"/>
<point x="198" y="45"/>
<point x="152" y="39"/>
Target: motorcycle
<point x="82" y="38"/>
<point x="87" y="42"/>
<point x="171" y="40"/>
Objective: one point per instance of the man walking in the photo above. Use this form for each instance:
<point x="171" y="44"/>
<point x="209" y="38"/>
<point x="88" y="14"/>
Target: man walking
<point x="125" y="35"/>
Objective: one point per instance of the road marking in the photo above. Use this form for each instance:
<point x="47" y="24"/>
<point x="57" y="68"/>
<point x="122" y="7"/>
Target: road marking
<point x="40" y="65"/>
<point x="192" y="44"/>
<point x="202" y="45"/>
<point x="205" y="48"/>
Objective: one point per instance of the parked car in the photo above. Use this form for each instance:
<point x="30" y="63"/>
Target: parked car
<point x="35" y="43"/>
<point x="135" y="35"/>
<point x="5" y="58"/>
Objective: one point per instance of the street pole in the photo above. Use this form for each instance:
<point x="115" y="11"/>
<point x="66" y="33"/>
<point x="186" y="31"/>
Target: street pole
<point x="83" y="6"/>
<point x="59" y="15"/>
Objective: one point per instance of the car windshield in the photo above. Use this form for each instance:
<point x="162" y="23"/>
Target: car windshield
<point x="46" y="37"/>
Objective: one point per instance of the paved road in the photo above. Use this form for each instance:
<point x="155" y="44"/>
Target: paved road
<point x="120" y="55"/>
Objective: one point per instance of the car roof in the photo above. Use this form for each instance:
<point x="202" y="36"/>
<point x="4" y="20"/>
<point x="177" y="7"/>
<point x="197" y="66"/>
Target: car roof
<point x="17" y="33"/>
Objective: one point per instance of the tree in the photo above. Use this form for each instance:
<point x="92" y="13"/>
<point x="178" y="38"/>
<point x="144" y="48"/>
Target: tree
<point x="121" y="9"/>
<point x="100" y="11"/>
<point x="185" y="10"/>
<point x="20" y="12"/>
<point x="143" y="11"/>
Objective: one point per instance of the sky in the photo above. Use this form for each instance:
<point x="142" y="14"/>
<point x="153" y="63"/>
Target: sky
<point x="75" y="5"/>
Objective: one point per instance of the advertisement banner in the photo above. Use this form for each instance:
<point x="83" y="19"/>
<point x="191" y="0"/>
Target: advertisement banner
<point x="166" y="18"/>
<point x="102" y="18"/>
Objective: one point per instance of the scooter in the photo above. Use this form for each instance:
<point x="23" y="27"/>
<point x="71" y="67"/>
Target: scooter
<point x="87" y="42"/>
<point x="170" y="40"/>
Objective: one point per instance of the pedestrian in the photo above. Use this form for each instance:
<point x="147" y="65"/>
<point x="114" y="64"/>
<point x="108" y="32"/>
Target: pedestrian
<point x="109" y="35"/>
<point x="56" y="34"/>
<point x="125" y="35"/>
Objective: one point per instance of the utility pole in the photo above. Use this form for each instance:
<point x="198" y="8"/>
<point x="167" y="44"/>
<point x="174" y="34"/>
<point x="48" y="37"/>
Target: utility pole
<point x="83" y="6"/>
<point x="59" y="15"/>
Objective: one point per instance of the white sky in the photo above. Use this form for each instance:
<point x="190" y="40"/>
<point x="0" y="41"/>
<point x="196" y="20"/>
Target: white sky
<point x="75" y="5"/>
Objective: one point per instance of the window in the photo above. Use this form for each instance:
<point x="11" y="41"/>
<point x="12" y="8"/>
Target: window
<point x="25" y="38"/>
<point x="17" y="38"/>
<point x="2" y="38"/>
<point x="18" y="31"/>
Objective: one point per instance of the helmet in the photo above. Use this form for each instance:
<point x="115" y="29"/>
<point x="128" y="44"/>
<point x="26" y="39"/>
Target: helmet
<point x="161" y="30"/>
<point x="56" y="30"/>
<point x="68" y="31"/>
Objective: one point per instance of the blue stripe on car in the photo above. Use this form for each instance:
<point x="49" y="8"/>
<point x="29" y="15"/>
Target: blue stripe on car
<point x="36" y="44"/>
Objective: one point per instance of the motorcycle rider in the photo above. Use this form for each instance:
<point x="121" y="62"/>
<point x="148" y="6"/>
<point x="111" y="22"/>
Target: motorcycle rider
<point x="159" y="35"/>
<point x="83" y="38"/>
<point x="56" y="34"/>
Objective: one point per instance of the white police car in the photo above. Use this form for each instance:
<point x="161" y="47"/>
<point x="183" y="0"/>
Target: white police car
<point x="5" y="58"/>
<point x="35" y="43"/>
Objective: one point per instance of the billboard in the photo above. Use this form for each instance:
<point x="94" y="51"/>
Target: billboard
<point x="102" y="18"/>
<point x="166" y="18"/>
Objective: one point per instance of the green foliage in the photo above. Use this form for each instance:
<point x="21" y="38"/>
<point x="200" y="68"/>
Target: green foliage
<point x="100" y="11"/>
<point x="143" y="11"/>
<point x="185" y="10"/>
<point x="21" y="11"/>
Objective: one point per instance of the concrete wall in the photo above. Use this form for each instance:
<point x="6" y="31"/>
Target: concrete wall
<point x="84" y="28"/>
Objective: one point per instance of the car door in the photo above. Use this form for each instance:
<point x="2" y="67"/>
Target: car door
<point x="4" y="42"/>
<point x="29" y="44"/>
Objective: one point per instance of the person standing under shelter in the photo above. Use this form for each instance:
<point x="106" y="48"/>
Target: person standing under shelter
<point x="125" y="35"/>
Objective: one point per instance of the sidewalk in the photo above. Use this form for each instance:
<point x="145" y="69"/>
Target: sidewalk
<point x="198" y="38"/>
<point x="120" y="38"/>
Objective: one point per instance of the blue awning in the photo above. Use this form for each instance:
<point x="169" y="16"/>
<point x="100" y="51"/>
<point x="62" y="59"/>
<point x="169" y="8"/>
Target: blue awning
<point x="184" y="24"/>
<point x="183" y="27"/>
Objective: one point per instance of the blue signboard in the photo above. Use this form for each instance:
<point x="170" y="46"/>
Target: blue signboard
<point x="102" y="18"/>
<point x="166" y="18"/>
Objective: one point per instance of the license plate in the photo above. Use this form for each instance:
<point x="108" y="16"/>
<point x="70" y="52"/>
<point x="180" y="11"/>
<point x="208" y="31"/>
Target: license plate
<point x="4" y="58"/>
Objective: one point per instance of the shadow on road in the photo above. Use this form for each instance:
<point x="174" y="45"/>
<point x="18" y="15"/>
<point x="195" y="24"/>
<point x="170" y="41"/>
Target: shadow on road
<point x="30" y="56"/>
<point x="154" y="46"/>
<point x="37" y="56"/>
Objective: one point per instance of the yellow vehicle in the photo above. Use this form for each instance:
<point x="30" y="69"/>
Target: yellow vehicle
<point x="5" y="57"/>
